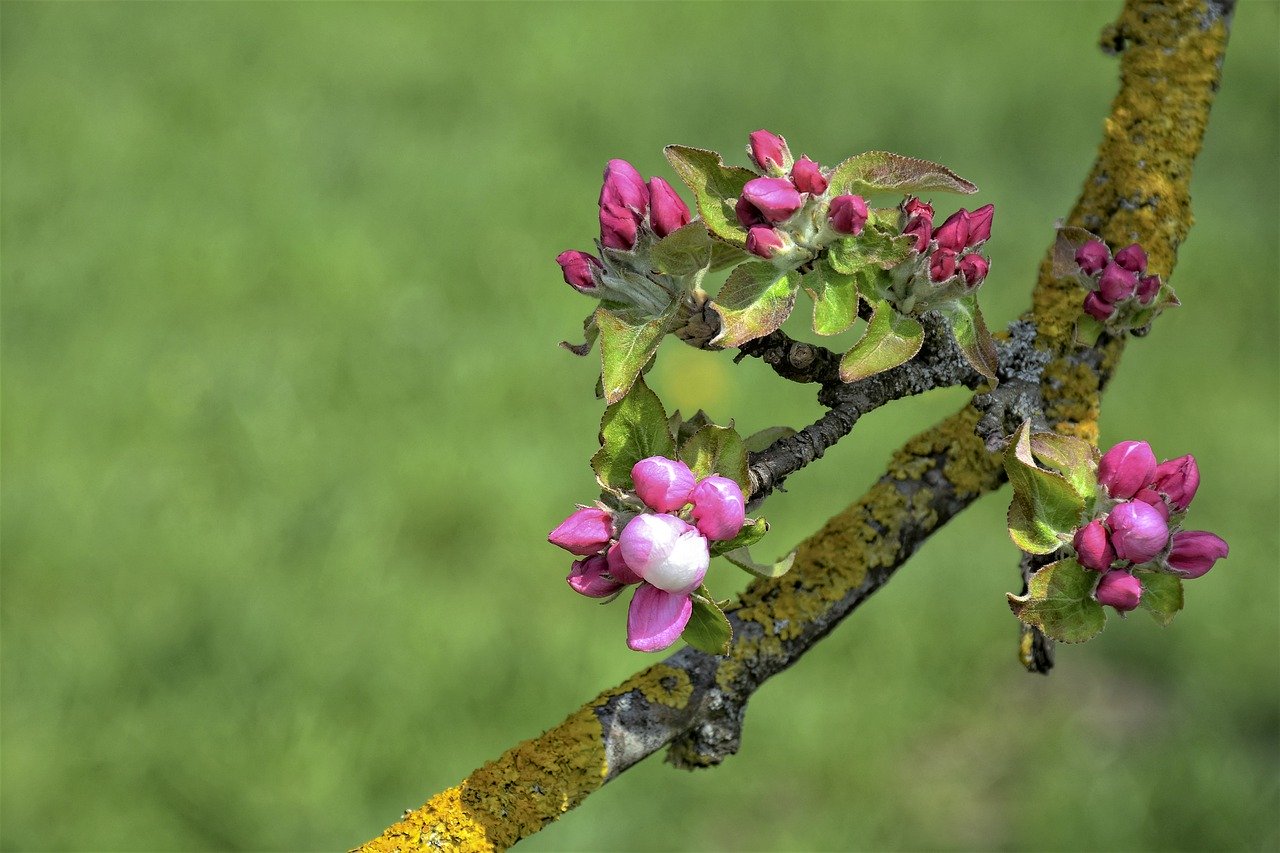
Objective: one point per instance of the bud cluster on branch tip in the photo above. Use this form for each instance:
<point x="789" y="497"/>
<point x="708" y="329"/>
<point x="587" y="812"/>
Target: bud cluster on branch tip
<point x="1138" y="523"/>
<point x="949" y="253"/>
<point x="664" y="549"/>
<point x="627" y="204"/>
<point x="1115" y="284"/>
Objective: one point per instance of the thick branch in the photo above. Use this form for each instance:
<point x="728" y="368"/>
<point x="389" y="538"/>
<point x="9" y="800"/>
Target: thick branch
<point x="1171" y="60"/>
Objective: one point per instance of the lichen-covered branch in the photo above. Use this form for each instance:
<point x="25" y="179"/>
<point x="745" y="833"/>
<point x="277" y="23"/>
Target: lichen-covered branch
<point x="1171" y="55"/>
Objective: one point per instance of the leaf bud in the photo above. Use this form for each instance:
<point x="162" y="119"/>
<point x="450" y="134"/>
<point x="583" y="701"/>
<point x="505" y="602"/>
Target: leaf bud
<point x="764" y="242"/>
<point x="586" y="531"/>
<point x="589" y="576"/>
<point x="1097" y="307"/>
<point x="1126" y="468"/>
<point x="1194" y="552"/>
<point x="1117" y="283"/>
<point x="1092" y="257"/>
<point x="718" y="507"/>
<point x="775" y="198"/>
<point x="1132" y="258"/>
<point x="1120" y="590"/>
<point x="667" y="210"/>
<point x="577" y="268"/>
<point x="848" y="214"/>
<point x="1093" y="548"/>
<point x="664" y="484"/>
<point x="618" y="227"/>
<point x="1138" y="531"/>
<point x="807" y="177"/>
<point x="665" y="551"/>
<point x="953" y="233"/>
<point x="624" y="188"/>
<point x="769" y="151"/>
<point x="1177" y="479"/>
<point x="980" y="224"/>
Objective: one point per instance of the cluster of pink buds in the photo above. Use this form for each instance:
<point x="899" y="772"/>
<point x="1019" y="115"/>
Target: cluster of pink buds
<point x="787" y="185"/>
<point x="1138" y="523"/>
<point x="663" y="548"/>
<point x="952" y="247"/>
<point x="626" y="201"/>
<point x="1116" y="285"/>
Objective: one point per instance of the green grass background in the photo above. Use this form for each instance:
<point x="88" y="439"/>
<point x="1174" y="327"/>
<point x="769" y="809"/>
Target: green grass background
<point x="285" y="426"/>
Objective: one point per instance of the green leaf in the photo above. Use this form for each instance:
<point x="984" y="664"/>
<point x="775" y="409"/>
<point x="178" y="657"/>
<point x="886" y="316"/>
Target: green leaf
<point x="717" y="450"/>
<point x="1161" y="595"/>
<point x="882" y="171"/>
<point x="890" y="339"/>
<point x="869" y="250"/>
<point x="752" y="532"/>
<point x="1088" y="329"/>
<point x="1045" y="509"/>
<point x="1059" y="601"/>
<point x="632" y="429"/>
<point x="590" y="332"/>
<point x="715" y="186"/>
<point x="741" y="557"/>
<point x="725" y="255"/>
<point x="755" y="300"/>
<point x="708" y="629"/>
<point x="971" y="334"/>
<point x="684" y="251"/>
<point x="835" y="298"/>
<point x="1073" y="458"/>
<point x="683" y="430"/>
<point x="762" y="440"/>
<point x="628" y="339"/>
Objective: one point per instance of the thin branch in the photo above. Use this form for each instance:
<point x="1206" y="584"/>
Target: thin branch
<point x="1170" y="69"/>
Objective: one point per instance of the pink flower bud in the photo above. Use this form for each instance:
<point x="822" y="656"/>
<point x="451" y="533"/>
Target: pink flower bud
<point x="1097" y="307"/>
<point x="1148" y="287"/>
<point x="665" y="551"/>
<point x="577" y="268"/>
<point x="974" y="269"/>
<point x="747" y="214"/>
<point x="763" y="241"/>
<point x="942" y="265"/>
<point x="664" y="484"/>
<point x="1093" y="550"/>
<point x="618" y="568"/>
<point x="1194" y="552"/>
<point x="1153" y="499"/>
<point x="920" y="228"/>
<point x="953" y="233"/>
<point x="618" y="227"/>
<point x="1120" y="590"/>
<point x="590" y="577"/>
<point x="980" y="224"/>
<point x="656" y="618"/>
<point x="915" y="207"/>
<point x="1132" y="258"/>
<point x="770" y="152"/>
<point x="587" y="531"/>
<point x="1138" y="531"/>
<point x="718" y="508"/>
<point x="807" y="177"/>
<point x="1092" y="257"/>
<point x="668" y="211"/>
<point x="624" y="188"/>
<point x="1117" y="283"/>
<point x="775" y="198"/>
<point x="848" y="214"/>
<point x="1177" y="479"/>
<point x="1126" y="468"/>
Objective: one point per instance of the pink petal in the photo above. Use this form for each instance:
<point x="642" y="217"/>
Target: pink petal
<point x="656" y="618"/>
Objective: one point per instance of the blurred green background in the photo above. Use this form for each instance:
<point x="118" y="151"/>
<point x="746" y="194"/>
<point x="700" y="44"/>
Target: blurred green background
<point x="285" y="426"/>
